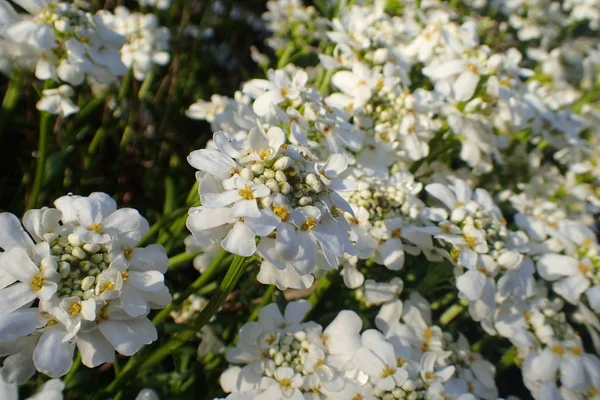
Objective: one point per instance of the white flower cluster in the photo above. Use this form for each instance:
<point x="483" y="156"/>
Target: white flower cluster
<point x="503" y="148"/>
<point x="256" y="186"/>
<point x="76" y="278"/>
<point x="404" y="358"/>
<point x="147" y="43"/>
<point x="61" y="42"/>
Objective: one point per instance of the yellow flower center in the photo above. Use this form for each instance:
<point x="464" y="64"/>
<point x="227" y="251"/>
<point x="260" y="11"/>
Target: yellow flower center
<point x="107" y="286"/>
<point x="282" y="212"/>
<point x="285" y="383"/>
<point x="37" y="282"/>
<point x="124" y="275"/>
<point x="471" y="241"/>
<point x="387" y="371"/>
<point x="246" y="192"/>
<point x="429" y="375"/>
<point x="309" y="224"/>
<point x="558" y="349"/>
<point x="396" y="233"/>
<point x="96" y="227"/>
<point x="584" y="269"/>
<point x="264" y="153"/>
<point x="75" y="309"/>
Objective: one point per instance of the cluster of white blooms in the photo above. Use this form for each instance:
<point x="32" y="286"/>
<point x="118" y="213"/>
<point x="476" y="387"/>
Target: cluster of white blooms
<point x="147" y="43"/>
<point x="60" y="42"/>
<point x="465" y="148"/>
<point x="256" y="186"/>
<point x="74" y="277"/>
<point x="279" y="357"/>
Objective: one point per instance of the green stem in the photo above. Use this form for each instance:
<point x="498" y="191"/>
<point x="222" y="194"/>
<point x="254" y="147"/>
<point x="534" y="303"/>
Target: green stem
<point x="46" y="122"/>
<point x="233" y="275"/>
<point x="182" y="258"/>
<point x="11" y="97"/>
<point x="267" y="298"/>
<point x="74" y="368"/>
<point x="165" y="219"/>
<point x="193" y="288"/>
<point x="143" y="92"/>
<point x="322" y="286"/>
<point x="96" y="140"/>
<point x="287" y="53"/>
<point x="452" y="312"/>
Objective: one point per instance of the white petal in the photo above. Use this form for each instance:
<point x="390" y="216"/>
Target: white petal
<point x="15" y="296"/>
<point x="295" y="311"/>
<point x="571" y="288"/>
<point x="471" y="284"/>
<point x="217" y="200"/>
<point x="128" y="337"/>
<point x="132" y="302"/>
<point x="245" y="208"/>
<point x="240" y="240"/>
<point x="442" y="193"/>
<point x="94" y="348"/>
<point x="554" y="266"/>
<point x="19" y="323"/>
<point x="52" y="355"/>
<point x="213" y="162"/>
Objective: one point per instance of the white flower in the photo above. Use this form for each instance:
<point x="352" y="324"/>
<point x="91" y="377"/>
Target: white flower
<point x="58" y="101"/>
<point x="93" y="286"/>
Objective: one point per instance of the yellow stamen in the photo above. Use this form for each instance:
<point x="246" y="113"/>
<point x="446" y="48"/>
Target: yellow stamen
<point x="282" y="212"/>
<point x="309" y="224"/>
<point x="37" y="282"/>
<point x="246" y="192"/>
<point x="557" y="349"/>
<point x="75" y="309"/>
<point x="387" y="371"/>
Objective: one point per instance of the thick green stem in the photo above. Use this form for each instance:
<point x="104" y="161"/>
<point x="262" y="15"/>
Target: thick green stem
<point x="74" y="368"/>
<point x="202" y="281"/>
<point x="287" y="53"/>
<point x="233" y="275"/>
<point x="182" y="258"/>
<point x="46" y="122"/>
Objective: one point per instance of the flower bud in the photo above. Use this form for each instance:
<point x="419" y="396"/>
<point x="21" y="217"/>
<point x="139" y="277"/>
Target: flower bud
<point x="280" y="176"/>
<point x="272" y="185"/>
<point x="87" y="283"/>
<point x="257" y="169"/>
<point x="247" y="174"/>
<point x="305" y="201"/>
<point x="91" y="247"/>
<point x="283" y="163"/>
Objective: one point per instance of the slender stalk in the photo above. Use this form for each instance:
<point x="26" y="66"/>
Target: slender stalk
<point x="145" y="89"/>
<point x="161" y="223"/>
<point x="237" y="268"/>
<point x="11" y="97"/>
<point x="182" y="258"/>
<point x="323" y="284"/>
<point x="452" y="312"/>
<point x="134" y="364"/>
<point x="267" y="297"/>
<point x="287" y="53"/>
<point x="193" y="288"/>
<point x="74" y="368"/>
<point x="46" y="122"/>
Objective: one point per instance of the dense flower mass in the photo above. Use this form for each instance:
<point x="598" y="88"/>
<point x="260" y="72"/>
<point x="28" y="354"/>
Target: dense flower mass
<point x="405" y="357"/>
<point x="400" y="200"/>
<point x="74" y="277"/>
